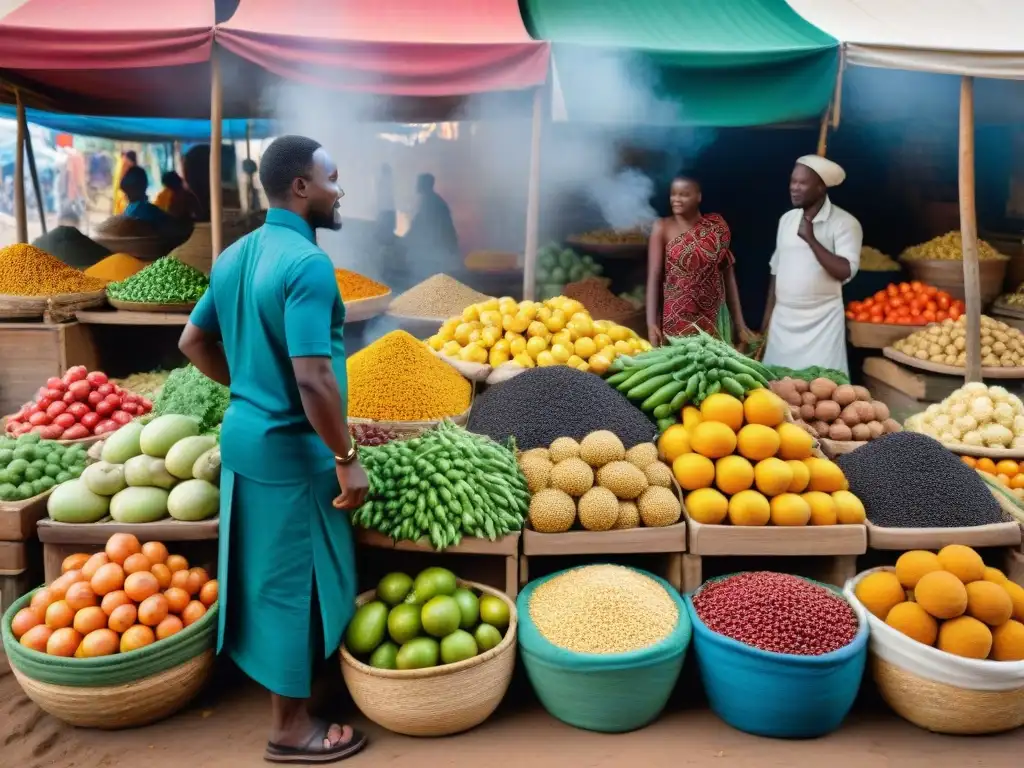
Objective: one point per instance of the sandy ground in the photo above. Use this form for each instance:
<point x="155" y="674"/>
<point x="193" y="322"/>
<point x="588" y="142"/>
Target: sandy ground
<point x="225" y="729"/>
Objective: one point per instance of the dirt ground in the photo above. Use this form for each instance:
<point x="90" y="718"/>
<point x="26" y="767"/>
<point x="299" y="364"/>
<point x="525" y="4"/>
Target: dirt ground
<point x="226" y="728"/>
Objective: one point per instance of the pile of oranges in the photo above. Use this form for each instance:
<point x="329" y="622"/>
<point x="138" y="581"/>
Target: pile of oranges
<point x="1007" y="471"/>
<point x="124" y="598"/>
<point x="911" y="303"/>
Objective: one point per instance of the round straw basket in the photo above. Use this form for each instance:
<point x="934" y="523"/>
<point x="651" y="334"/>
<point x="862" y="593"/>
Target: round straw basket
<point x="61" y="307"/>
<point x="197" y="251"/>
<point x="944" y="708"/>
<point x="438" y="701"/>
<point x="949" y="276"/>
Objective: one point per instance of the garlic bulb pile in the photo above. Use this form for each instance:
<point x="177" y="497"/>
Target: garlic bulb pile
<point x="975" y="415"/>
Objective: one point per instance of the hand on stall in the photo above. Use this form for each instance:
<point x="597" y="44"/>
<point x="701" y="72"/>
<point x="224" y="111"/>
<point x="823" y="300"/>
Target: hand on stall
<point x="655" y="336"/>
<point x="354" y="485"/>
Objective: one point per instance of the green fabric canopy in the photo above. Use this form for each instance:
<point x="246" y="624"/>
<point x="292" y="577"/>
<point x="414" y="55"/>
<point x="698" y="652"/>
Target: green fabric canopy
<point x="702" y="62"/>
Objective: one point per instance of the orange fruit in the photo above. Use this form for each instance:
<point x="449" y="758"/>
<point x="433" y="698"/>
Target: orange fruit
<point x="140" y="585"/>
<point x="136" y="637"/>
<point x="113" y="600"/>
<point x="137" y="562"/>
<point x="80" y="595"/>
<point x="60" y="585"/>
<point x="1007" y="467"/>
<point x="209" y="593"/>
<point x="121" y="546"/>
<point x="93" y="564"/>
<point x="170" y="626"/>
<point x="193" y="612"/>
<point x="74" y="562"/>
<point x="177" y="599"/>
<point x="109" y="578"/>
<point x="41" y="601"/>
<point x="155" y="551"/>
<point x="122" y="618"/>
<point x="163" y="575"/>
<point x="176" y="563"/>
<point x="36" y="638"/>
<point x="89" y="620"/>
<point x="179" y="580"/>
<point x="673" y="443"/>
<point x="986" y="465"/>
<point x="63" y="642"/>
<point x="100" y="642"/>
<point x="59" y="615"/>
<point x="23" y="621"/>
<point x="153" y="610"/>
<point x="970" y="461"/>
<point x="197" y="577"/>
<point x="1017" y="481"/>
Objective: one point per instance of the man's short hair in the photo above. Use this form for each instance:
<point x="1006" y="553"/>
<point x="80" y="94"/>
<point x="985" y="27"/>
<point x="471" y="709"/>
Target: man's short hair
<point x="286" y="159"/>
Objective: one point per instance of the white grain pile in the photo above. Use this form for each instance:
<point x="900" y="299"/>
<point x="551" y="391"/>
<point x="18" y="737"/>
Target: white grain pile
<point x="438" y="297"/>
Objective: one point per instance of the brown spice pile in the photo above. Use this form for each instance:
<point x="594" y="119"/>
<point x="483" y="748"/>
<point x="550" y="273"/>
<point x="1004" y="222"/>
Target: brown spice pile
<point x="601" y="303"/>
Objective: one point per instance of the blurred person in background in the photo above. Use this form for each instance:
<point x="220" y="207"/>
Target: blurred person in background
<point x="271" y="328"/>
<point x="691" y="270"/>
<point x="175" y="199"/>
<point x="125" y="163"/>
<point x="431" y="239"/>
<point x="134" y="185"/>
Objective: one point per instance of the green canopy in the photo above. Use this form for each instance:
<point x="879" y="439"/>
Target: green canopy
<point x="701" y="62"/>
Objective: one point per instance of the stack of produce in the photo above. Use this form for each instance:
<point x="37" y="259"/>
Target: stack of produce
<point x="543" y="404"/>
<point x="30" y="466"/>
<point x="145" y="473"/>
<point x="777" y="612"/>
<point x="1015" y="299"/>
<point x="631" y="236"/>
<point x="743" y="463"/>
<point x="949" y="247"/>
<point x="443" y="485"/>
<point x="593" y="293"/>
<point x="354" y="286"/>
<point x="492" y="261"/>
<point x="975" y="415"/>
<point x="436" y="297"/>
<point x="72" y="247"/>
<point x="907" y="480"/>
<point x="28" y="271"/>
<point x="598" y="483"/>
<point x="372" y="435"/>
<point x="873" y="260"/>
<point x="532" y="334"/>
<point x="807" y="374"/>
<point x="146" y="384"/>
<point x="398" y="379"/>
<point x="116" y="267"/>
<point x="79" y="404"/>
<point x="842" y="412"/>
<point x="124" y="598"/>
<point x="685" y="371"/>
<point x="1002" y="345"/>
<point x="426" y="622"/>
<point x="951" y="601"/>
<point x="558" y="266"/>
<point x="188" y="392"/>
<point x="911" y="303"/>
<point x="165" y="281"/>
<point x="636" y="296"/>
<point x="1007" y="472"/>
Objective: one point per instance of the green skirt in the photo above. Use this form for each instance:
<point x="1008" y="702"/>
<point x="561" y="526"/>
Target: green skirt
<point x="288" y="578"/>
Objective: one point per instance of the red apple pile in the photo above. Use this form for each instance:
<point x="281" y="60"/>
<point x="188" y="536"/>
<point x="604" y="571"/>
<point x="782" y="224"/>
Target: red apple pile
<point x="79" y="404"/>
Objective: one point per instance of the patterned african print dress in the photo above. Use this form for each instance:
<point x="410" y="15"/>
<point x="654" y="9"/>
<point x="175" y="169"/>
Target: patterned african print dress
<point x="694" y="286"/>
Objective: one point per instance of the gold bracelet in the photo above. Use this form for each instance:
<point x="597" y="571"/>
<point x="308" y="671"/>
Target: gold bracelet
<point x="348" y="458"/>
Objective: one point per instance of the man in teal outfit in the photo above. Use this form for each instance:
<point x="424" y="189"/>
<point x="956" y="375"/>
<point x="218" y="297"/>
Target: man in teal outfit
<point x="270" y="327"/>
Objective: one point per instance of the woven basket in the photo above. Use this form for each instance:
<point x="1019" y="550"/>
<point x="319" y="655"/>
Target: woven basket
<point x="60" y="307"/>
<point x="949" y="276"/>
<point x="439" y="701"/>
<point x="197" y="251"/>
<point x="130" y="705"/>
<point x="943" y="708"/>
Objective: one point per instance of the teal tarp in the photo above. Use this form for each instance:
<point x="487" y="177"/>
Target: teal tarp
<point x="726" y="63"/>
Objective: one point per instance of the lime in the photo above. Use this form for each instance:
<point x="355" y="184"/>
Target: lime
<point x="441" y="616"/>
<point x="469" y="605"/>
<point x="417" y="654"/>
<point x="458" y="646"/>
<point x="434" y="581"/>
<point x="486" y="637"/>
<point x="366" y="630"/>
<point x="385" y="657"/>
<point x="404" y="623"/>
<point x="394" y="588"/>
<point x="494" y="611"/>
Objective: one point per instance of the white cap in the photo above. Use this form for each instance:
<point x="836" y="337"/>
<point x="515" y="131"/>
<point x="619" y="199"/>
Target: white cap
<point x="831" y="173"/>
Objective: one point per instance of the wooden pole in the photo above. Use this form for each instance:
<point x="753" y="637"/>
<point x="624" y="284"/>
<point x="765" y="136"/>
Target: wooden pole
<point x="30" y="155"/>
<point x="823" y="132"/>
<point x="533" y="200"/>
<point x="216" y="140"/>
<point x="20" y="211"/>
<point x="969" y="230"/>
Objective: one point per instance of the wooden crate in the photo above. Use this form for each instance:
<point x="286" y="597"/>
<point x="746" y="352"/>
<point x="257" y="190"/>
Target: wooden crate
<point x="30" y="353"/>
<point x="1015" y="567"/>
<point x="18" y="518"/>
<point x="506" y="548"/>
<point x="903" y="539"/>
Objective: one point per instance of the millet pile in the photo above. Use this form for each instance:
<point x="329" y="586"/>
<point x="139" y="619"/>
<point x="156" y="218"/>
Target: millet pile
<point x="542" y="404"/>
<point x="908" y="480"/>
<point x="437" y="297"/>
<point x="28" y="271"/>
<point x="354" y="286"/>
<point x="777" y="612"/>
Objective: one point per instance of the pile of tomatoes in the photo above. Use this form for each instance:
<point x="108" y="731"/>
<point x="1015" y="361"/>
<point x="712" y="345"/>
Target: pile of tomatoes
<point x="911" y="303"/>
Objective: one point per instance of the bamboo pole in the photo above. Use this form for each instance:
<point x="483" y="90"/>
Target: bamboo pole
<point x="533" y="199"/>
<point x="969" y="230"/>
<point x="216" y="140"/>
<point x="823" y="132"/>
<point x="30" y="155"/>
<point x="20" y="211"/>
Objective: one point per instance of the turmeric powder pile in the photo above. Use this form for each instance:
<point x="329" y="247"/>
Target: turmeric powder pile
<point x="397" y="378"/>
<point x="28" y="271"/>
<point x="354" y="286"/>
<point x="119" y="266"/>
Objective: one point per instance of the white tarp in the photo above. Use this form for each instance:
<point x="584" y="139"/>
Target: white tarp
<point x="984" y="38"/>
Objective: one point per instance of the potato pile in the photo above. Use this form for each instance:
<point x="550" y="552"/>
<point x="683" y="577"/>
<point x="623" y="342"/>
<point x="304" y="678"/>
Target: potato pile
<point x="836" y="412"/>
<point x="599" y="483"/>
<point x="1002" y="346"/>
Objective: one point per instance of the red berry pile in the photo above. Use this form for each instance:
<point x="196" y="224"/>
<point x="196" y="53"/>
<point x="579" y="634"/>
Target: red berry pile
<point x="79" y="404"/>
<point x="777" y="612"/>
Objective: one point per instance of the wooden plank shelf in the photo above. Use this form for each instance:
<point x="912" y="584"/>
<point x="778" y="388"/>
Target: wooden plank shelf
<point x="121" y="317"/>
<point x="902" y="539"/>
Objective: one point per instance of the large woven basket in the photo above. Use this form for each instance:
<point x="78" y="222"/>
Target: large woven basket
<point x="438" y="701"/>
<point x="60" y="307"/>
<point x="197" y="251"/>
<point x="949" y="276"/>
<point x="404" y="430"/>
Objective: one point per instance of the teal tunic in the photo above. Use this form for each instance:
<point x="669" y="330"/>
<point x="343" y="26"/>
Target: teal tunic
<point x="286" y="559"/>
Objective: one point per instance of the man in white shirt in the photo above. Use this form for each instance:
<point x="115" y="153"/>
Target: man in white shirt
<point x="817" y="251"/>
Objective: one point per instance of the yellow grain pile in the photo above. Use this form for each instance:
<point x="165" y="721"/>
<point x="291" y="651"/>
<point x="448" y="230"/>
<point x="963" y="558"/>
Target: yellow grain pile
<point x="949" y="247"/>
<point x="28" y="271"/>
<point x="354" y="286"/>
<point x="603" y="609"/>
<point x="116" y="267"/>
<point x="397" y="378"/>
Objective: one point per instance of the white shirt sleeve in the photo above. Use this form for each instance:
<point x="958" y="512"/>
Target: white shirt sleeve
<point x="849" y="238"/>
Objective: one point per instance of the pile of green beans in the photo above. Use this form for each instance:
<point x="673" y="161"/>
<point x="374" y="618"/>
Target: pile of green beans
<point x="443" y="485"/>
<point x="165" y="281"/>
<point x="684" y="372"/>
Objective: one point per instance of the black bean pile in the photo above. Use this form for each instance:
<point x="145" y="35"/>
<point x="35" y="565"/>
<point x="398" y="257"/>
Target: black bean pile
<point x="72" y="247"/>
<point x="777" y="612"/>
<point x="542" y="404"/>
<point x="908" y="480"/>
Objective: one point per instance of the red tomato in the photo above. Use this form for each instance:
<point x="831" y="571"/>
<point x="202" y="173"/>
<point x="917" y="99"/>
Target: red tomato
<point x="135" y="409"/>
<point x="76" y="373"/>
<point x="97" y="378"/>
<point x="52" y="432"/>
<point x="90" y="420"/>
<point x="56" y="408"/>
<point x="105" y="389"/>
<point x="78" y="410"/>
<point x="39" y="419"/>
<point x="68" y="398"/>
<point x="94" y="399"/>
<point x="105" y="408"/>
<point x="64" y="420"/>
<point x="43" y="403"/>
<point x="121" y="417"/>
<point x="147" y="406"/>
<point x="77" y="432"/>
<point x="113" y="399"/>
<point x="55" y="382"/>
<point x="80" y="389"/>
<point x="21" y="429"/>
<point x="109" y="425"/>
